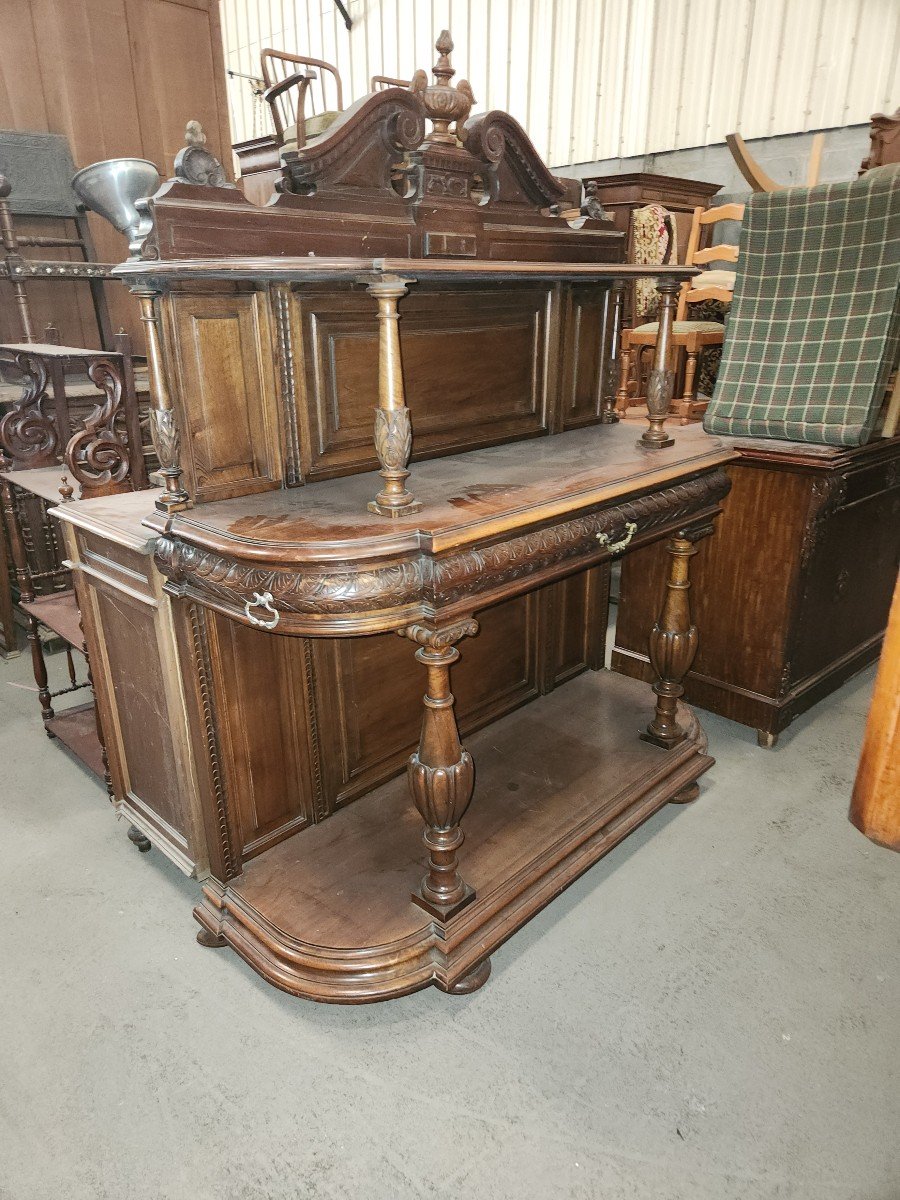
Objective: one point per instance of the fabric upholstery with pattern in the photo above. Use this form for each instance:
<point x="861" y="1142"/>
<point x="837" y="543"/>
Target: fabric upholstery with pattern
<point x="814" y="328"/>
<point x="654" y="240"/>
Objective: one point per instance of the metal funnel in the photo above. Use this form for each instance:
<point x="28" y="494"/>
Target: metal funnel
<point x="111" y="188"/>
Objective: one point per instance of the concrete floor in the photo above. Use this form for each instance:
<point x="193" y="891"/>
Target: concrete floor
<point x="712" y="1012"/>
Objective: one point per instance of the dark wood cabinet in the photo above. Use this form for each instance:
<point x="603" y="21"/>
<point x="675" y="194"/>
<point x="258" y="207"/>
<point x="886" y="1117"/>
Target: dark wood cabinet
<point x="793" y="594"/>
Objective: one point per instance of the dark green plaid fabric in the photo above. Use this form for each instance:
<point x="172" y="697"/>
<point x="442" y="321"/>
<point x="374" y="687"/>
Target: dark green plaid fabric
<point x="814" y="327"/>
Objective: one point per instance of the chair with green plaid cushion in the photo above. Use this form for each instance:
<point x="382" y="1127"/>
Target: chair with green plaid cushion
<point x="814" y="328"/>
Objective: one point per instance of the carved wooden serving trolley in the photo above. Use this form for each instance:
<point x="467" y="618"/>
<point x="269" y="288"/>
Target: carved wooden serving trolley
<point x="259" y="708"/>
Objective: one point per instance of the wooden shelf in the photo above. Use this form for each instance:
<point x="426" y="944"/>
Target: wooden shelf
<point x="58" y="612"/>
<point x="76" y="728"/>
<point x="327" y="913"/>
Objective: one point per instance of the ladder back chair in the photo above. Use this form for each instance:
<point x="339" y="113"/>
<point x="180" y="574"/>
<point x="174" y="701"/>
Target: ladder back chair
<point x="689" y="336"/>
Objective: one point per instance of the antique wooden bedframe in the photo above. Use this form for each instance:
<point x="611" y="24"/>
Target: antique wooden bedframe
<point x="257" y="702"/>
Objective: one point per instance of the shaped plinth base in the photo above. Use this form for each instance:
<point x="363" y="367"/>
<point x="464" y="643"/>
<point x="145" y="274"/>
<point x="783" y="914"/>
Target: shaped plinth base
<point x="667" y="743"/>
<point x="646" y="443"/>
<point x="382" y="510"/>
<point x="326" y="914"/>
<point x="471" y="982"/>
<point x="443" y="912"/>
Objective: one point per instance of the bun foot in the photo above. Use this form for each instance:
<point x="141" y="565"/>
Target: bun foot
<point x="211" y="940"/>
<point x="686" y="795"/>
<point x="473" y="981"/>
<point x="138" y="839"/>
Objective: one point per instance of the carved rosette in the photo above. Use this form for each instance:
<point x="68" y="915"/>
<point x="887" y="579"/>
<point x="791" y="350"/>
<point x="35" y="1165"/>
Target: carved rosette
<point x="28" y="431"/>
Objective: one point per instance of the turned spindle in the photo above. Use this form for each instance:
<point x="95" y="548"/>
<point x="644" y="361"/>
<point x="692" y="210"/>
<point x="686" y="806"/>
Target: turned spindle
<point x="163" y="425"/>
<point x="393" y="428"/>
<point x="661" y="383"/>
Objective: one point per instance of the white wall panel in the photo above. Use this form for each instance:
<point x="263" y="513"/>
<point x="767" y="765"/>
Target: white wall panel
<point x="598" y="79"/>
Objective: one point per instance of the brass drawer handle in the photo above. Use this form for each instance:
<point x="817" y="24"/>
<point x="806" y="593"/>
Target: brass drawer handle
<point x="615" y="547"/>
<point x="261" y="600"/>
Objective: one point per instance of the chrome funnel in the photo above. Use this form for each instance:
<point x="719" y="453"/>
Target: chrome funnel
<point x="111" y="188"/>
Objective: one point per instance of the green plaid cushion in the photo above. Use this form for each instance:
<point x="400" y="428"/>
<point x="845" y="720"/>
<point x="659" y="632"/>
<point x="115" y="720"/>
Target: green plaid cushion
<point x="814" y="328"/>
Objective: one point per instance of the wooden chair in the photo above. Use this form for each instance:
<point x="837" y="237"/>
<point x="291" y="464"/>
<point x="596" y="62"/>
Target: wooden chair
<point x="289" y="92"/>
<point x="688" y="336"/>
<point x="380" y="83"/>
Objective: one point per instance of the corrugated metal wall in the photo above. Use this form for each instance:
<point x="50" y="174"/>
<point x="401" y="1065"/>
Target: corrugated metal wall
<point x="596" y="79"/>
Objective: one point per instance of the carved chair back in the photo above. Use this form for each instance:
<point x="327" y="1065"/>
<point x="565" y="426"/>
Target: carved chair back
<point x="299" y="88"/>
<point x="710" y="284"/>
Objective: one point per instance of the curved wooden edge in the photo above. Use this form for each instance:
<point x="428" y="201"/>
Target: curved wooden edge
<point x="748" y="166"/>
<point x="451" y="956"/>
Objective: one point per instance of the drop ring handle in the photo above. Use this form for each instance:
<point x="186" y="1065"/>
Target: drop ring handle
<point x="261" y="600"/>
<point x="615" y="547"/>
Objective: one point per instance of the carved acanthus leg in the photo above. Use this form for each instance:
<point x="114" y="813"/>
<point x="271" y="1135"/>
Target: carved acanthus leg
<point x="393" y="429"/>
<point x="163" y="424"/>
<point x="673" y="644"/>
<point x="608" y="412"/>
<point x="441" y="773"/>
<point x="661" y="383"/>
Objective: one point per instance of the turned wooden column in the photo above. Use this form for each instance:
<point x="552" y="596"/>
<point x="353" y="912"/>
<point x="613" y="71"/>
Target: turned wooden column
<point x="673" y="642"/>
<point x="163" y="425"/>
<point x="441" y="773"/>
<point x="608" y="412"/>
<point x="13" y="259"/>
<point x="393" y="429"/>
<point x="661" y="383"/>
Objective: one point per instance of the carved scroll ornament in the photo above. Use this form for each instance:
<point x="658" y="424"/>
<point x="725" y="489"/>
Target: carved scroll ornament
<point x="97" y="455"/>
<point x="28" y="430"/>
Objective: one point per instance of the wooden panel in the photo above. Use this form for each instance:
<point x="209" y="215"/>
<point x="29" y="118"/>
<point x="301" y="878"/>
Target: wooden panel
<point x="146" y="758"/>
<point x="848" y="583"/>
<point x="586" y="356"/>
<point x="743" y="582"/>
<point x="576" y="625"/>
<point x="476" y="364"/>
<point x="223" y="364"/>
<point x="265" y="731"/>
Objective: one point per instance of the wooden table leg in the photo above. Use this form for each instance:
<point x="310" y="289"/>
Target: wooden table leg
<point x="673" y="643"/>
<point x="441" y="773"/>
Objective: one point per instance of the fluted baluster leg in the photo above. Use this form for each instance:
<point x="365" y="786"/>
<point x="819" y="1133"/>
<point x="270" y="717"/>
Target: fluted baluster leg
<point x="673" y="645"/>
<point x="441" y="773"/>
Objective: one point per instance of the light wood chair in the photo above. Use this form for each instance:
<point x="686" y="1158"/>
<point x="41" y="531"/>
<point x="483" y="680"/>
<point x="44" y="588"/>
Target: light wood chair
<point x="300" y="111"/>
<point x="689" y="337"/>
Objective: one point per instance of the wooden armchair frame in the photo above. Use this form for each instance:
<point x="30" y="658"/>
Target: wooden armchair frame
<point x="287" y="96"/>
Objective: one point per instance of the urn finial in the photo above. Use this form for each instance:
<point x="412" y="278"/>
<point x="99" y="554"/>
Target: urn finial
<point x="443" y="103"/>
